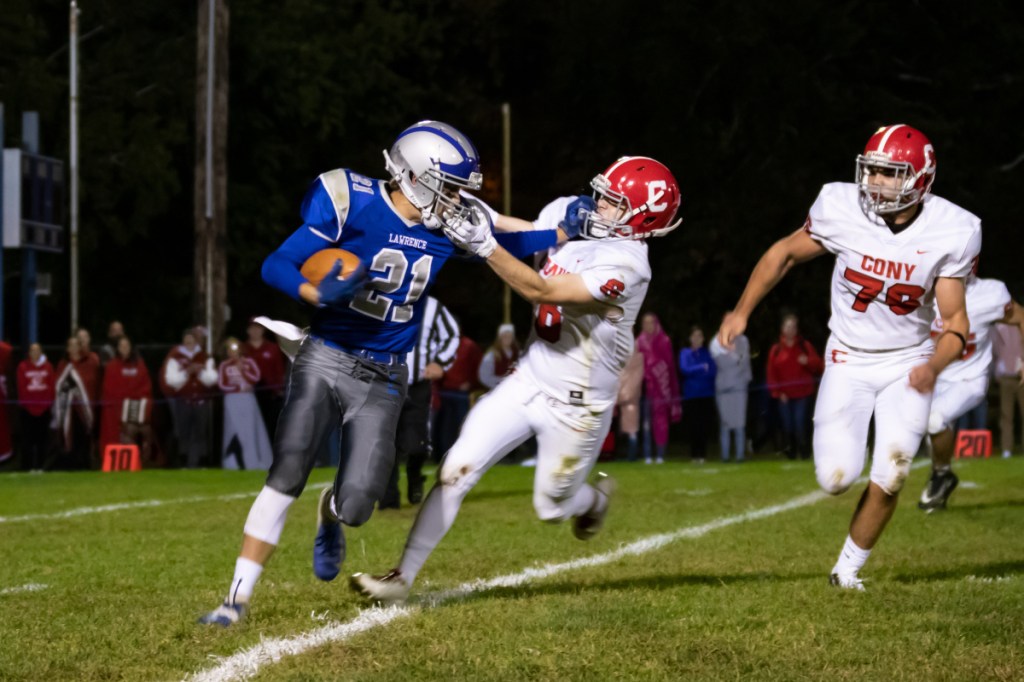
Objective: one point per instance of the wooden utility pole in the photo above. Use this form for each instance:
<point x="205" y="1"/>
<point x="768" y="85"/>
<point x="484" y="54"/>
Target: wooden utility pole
<point x="211" y="175"/>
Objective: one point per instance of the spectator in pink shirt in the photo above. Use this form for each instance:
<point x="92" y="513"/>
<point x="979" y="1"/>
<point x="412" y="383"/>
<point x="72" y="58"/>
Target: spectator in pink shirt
<point x="661" y="385"/>
<point x="245" y="444"/>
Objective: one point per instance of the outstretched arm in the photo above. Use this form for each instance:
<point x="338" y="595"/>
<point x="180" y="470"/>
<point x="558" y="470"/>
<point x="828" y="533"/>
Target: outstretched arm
<point x="797" y="248"/>
<point x="528" y="283"/>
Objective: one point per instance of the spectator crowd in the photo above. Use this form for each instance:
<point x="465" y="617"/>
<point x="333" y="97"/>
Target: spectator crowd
<point x="221" y="410"/>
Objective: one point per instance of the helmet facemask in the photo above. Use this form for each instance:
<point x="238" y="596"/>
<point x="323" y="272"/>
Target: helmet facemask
<point x="906" y="191"/>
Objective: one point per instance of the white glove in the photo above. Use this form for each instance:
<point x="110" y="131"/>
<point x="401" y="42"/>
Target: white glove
<point x="473" y="234"/>
<point x="174" y="375"/>
<point x="208" y="375"/>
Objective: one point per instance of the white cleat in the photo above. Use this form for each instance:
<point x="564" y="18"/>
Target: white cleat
<point x="846" y="582"/>
<point x="390" y="589"/>
<point x="586" y="526"/>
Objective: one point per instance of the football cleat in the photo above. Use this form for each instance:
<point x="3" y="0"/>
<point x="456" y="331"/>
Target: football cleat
<point x="586" y="525"/>
<point x="225" y="615"/>
<point x="415" y="489"/>
<point x="846" y="582"/>
<point x="387" y="589"/>
<point x="936" y="494"/>
<point x="329" y="545"/>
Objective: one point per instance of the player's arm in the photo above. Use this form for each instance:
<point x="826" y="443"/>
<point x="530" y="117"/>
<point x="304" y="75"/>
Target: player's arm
<point x="797" y="248"/>
<point x="281" y="268"/>
<point x="951" y="298"/>
<point x="527" y="282"/>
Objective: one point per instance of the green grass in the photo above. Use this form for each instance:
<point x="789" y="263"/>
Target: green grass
<point x="945" y="597"/>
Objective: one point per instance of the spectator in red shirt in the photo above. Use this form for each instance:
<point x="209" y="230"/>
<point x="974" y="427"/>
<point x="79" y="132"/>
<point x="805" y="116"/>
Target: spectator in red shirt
<point x="186" y="378"/>
<point x="36" y="393"/>
<point x="127" y="401"/>
<point x="270" y="360"/>
<point x="6" y="451"/>
<point x="793" y="370"/>
<point x="459" y="381"/>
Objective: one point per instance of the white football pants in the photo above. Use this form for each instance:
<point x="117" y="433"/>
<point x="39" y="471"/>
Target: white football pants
<point x="569" y="441"/>
<point x="855" y="385"/>
<point x="953" y="399"/>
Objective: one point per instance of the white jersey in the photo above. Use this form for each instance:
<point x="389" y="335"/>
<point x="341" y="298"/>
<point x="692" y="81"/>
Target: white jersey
<point x="988" y="301"/>
<point x="576" y="353"/>
<point x="883" y="284"/>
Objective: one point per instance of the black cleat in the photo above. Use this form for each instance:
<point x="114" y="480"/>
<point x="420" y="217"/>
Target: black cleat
<point x="936" y="494"/>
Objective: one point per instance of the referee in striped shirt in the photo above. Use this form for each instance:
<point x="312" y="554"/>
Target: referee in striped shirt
<point x="434" y="353"/>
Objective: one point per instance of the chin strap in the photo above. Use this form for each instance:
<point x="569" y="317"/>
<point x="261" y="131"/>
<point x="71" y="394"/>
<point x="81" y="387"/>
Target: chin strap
<point x="430" y="219"/>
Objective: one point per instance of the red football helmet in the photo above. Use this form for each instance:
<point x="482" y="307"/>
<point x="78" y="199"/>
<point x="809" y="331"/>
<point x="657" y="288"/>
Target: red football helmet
<point x="896" y="151"/>
<point x="646" y="195"/>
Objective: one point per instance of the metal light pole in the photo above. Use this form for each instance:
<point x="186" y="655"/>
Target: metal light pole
<point x="210" y="49"/>
<point x="506" y="187"/>
<point x="73" y="153"/>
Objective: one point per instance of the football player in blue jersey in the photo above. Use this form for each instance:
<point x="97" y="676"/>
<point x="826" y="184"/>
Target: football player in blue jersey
<point x="350" y="370"/>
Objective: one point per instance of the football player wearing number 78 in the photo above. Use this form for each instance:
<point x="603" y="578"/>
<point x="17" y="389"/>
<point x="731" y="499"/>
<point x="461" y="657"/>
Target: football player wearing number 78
<point x="586" y="300"/>
<point x="901" y="255"/>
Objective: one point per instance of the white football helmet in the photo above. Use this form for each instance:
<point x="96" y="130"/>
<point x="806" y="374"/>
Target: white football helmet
<point x="431" y="161"/>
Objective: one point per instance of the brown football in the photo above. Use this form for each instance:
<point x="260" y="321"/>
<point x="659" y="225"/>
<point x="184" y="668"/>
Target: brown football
<point x="320" y="263"/>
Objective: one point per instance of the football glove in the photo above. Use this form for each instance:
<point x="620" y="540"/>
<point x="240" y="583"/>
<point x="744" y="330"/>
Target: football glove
<point x="576" y="214"/>
<point x="473" y="234"/>
<point x="335" y="292"/>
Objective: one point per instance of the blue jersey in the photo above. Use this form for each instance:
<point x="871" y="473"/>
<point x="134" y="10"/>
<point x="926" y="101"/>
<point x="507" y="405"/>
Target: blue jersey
<point x="350" y="211"/>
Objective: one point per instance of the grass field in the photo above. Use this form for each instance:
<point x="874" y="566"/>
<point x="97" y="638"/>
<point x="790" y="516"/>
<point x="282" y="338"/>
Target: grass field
<point x="113" y="594"/>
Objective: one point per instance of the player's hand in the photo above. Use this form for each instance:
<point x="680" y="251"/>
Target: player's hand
<point x="576" y="214"/>
<point x="433" y="371"/>
<point x="922" y="378"/>
<point x="676" y="412"/>
<point x="802" y="359"/>
<point x="472" y="234"/>
<point x="733" y="324"/>
<point x="335" y="292"/>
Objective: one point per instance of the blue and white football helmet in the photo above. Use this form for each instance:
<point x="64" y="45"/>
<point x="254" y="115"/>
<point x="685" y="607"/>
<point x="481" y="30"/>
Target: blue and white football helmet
<point x="431" y="161"/>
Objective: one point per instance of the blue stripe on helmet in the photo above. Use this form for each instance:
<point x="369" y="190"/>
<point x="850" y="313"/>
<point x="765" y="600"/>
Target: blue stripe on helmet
<point x="471" y="155"/>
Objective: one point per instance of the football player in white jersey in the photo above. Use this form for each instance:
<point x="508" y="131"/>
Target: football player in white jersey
<point x="964" y="384"/>
<point x="901" y="254"/>
<point x="586" y="297"/>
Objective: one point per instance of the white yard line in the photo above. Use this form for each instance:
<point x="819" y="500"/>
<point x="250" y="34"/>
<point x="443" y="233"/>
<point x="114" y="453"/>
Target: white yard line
<point x="247" y="663"/>
<point x="29" y="587"/>
<point x="140" y="504"/>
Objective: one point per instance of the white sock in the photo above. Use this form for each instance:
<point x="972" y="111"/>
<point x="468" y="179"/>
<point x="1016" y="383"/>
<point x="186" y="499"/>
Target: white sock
<point x="851" y="559"/>
<point x="585" y="499"/>
<point x="247" y="572"/>
<point x="437" y="514"/>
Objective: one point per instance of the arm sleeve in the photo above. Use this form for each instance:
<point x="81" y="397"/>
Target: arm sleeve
<point x="552" y="214"/>
<point x="962" y="264"/>
<point x="612" y="283"/>
<point x="821" y="222"/>
<point x="281" y="268"/>
<point x="522" y="244"/>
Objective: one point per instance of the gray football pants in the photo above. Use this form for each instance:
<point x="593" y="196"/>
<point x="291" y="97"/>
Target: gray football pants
<point x="328" y="387"/>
